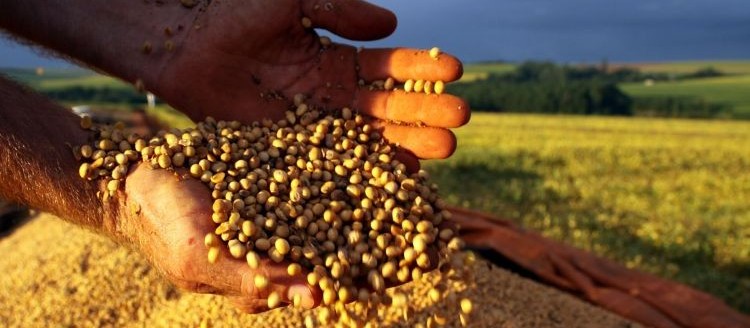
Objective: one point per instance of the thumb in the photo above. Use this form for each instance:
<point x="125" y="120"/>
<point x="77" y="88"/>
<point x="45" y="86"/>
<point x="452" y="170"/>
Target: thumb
<point x="249" y="288"/>
<point x="350" y="19"/>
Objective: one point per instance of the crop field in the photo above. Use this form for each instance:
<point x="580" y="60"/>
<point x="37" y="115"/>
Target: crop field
<point x="733" y="90"/>
<point x="63" y="77"/>
<point x="665" y="196"/>
<point x="681" y="67"/>
<point x="732" y="67"/>
<point x="478" y="71"/>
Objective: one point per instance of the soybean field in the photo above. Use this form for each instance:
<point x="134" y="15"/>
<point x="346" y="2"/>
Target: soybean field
<point x="666" y="196"/>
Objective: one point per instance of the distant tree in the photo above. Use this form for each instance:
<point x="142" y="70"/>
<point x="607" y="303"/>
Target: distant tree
<point x="97" y="95"/>
<point x="544" y="87"/>
<point x="671" y="106"/>
<point x="705" y="72"/>
<point x="604" y="66"/>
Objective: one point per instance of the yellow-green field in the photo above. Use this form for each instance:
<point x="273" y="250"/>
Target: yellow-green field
<point x="478" y="71"/>
<point x="667" y="196"/>
<point x="62" y="77"/>
<point x="733" y="90"/>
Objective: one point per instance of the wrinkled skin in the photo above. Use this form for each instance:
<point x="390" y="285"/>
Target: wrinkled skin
<point x="167" y="218"/>
<point x="249" y="58"/>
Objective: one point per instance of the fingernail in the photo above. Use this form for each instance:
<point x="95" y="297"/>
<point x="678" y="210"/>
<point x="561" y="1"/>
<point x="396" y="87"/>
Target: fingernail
<point x="303" y="296"/>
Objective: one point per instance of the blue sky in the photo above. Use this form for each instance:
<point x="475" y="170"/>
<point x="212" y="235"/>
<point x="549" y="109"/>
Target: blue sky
<point x="559" y="30"/>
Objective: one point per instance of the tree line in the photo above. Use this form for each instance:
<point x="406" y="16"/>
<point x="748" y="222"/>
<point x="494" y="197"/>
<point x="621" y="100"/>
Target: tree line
<point x="545" y="87"/>
<point x="97" y="95"/>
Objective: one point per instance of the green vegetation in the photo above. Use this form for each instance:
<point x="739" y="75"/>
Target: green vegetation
<point x="667" y="196"/>
<point x="685" y="107"/>
<point x="482" y="70"/>
<point x="687" y="89"/>
<point x="75" y="86"/>
<point x="95" y="95"/>
<point x="32" y="78"/>
<point x="732" y="91"/>
<point x="63" y="78"/>
<point x="732" y="67"/>
<point x="543" y="87"/>
<point x="170" y="117"/>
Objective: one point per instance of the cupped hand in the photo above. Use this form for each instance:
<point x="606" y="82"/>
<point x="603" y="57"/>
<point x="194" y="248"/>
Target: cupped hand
<point x="245" y="60"/>
<point x="166" y="215"/>
<point x="167" y="218"/>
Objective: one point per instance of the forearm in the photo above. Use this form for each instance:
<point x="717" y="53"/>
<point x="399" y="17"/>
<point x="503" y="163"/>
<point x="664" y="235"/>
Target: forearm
<point x="128" y="39"/>
<point x="37" y="166"/>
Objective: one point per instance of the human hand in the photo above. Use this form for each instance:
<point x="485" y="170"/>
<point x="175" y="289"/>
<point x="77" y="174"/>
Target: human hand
<point x="166" y="218"/>
<point x="166" y="215"/>
<point x="245" y="60"/>
<point x="231" y="59"/>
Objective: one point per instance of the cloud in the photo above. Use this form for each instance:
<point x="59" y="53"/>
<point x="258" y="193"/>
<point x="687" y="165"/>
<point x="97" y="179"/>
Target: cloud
<point x="562" y="30"/>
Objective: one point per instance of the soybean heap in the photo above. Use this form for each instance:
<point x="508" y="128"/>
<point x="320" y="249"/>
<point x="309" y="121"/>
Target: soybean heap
<point x="319" y="190"/>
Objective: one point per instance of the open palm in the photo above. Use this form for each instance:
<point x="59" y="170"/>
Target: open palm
<point x="167" y="220"/>
<point x="244" y="60"/>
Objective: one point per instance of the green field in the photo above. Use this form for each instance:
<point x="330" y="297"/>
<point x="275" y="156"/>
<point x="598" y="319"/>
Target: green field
<point x="478" y="71"/>
<point x="734" y="67"/>
<point x="682" y="67"/>
<point x="732" y="90"/>
<point x="62" y="78"/>
<point x="662" y="195"/>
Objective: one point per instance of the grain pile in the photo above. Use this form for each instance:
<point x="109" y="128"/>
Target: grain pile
<point x="56" y="274"/>
<point x="320" y="190"/>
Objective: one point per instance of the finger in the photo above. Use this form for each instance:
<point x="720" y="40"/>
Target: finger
<point x="434" y="256"/>
<point x="423" y="142"/>
<point x="279" y="281"/>
<point x="446" y="111"/>
<point x="451" y="224"/>
<point x="233" y="277"/>
<point x="247" y="305"/>
<point x="351" y="19"/>
<point x="405" y="63"/>
<point x="410" y="160"/>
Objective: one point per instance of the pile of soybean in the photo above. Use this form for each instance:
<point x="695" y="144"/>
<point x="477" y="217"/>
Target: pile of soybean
<point x="319" y="190"/>
<point x="61" y="275"/>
